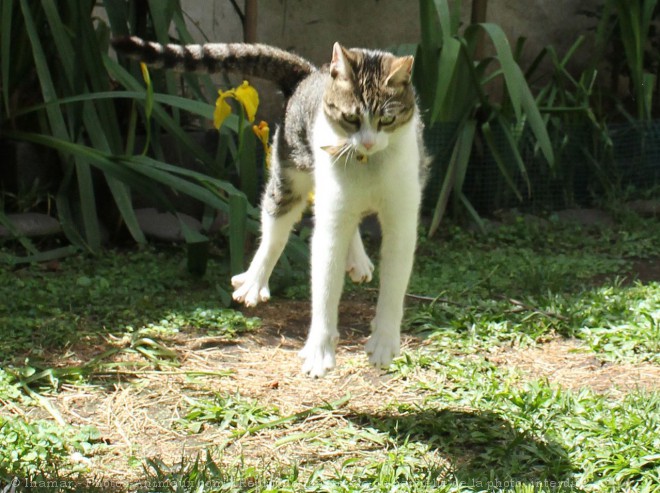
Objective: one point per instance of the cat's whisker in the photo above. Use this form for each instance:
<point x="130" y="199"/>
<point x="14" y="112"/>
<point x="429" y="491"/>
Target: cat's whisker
<point x="345" y="153"/>
<point x="349" y="156"/>
<point x="336" y="157"/>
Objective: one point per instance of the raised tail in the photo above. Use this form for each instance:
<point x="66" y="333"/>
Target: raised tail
<point x="258" y="60"/>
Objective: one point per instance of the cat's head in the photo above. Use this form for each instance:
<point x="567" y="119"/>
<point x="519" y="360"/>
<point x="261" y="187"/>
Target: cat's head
<point x="369" y="96"/>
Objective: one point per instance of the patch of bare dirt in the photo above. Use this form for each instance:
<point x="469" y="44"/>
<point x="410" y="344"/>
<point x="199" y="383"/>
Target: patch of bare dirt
<point x="641" y="270"/>
<point x="141" y="414"/>
<point x="569" y="363"/>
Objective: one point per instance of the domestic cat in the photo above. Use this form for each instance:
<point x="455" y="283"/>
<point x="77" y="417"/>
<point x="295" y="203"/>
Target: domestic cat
<point x="352" y="134"/>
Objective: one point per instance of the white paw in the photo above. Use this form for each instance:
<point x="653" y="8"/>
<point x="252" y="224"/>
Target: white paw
<point x="359" y="267"/>
<point x="249" y="289"/>
<point x="319" y="357"/>
<point x="382" y="347"/>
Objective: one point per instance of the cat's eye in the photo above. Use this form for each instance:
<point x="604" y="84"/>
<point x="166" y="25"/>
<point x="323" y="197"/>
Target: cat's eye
<point x="351" y="118"/>
<point x="387" y="120"/>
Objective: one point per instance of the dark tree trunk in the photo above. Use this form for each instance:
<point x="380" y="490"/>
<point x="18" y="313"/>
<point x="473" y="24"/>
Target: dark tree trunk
<point x="477" y="16"/>
<point x="250" y="21"/>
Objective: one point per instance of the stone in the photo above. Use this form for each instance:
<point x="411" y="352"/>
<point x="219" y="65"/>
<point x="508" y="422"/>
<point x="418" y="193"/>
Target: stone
<point x="585" y="217"/>
<point x="31" y="224"/>
<point x="165" y="226"/>
<point x="28" y="169"/>
<point x="512" y="216"/>
<point x="645" y="208"/>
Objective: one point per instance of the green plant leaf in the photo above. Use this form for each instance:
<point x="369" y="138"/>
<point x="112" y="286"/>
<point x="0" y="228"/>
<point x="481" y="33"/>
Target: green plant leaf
<point x="193" y="79"/>
<point x="247" y="164"/>
<point x="537" y="124"/>
<point x="49" y="93"/>
<point x="429" y="22"/>
<point x="447" y="68"/>
<point x="121" y="194"/>
<point x="159" y="113"/>
<point x="46" y="256"/>
<point x="61" y="132"/>
<point x="88" y="205"/>
<point x="648" y="87"/>
<point x="104" y="162"/>
<point x="237" y="232"/>
<point x="194" y="107"/>
<point x="514" y="146"/>
<point x="455" y="174"/>
<point x="211" y="183"/>
<point x="98" y="133"/>
<point x="445" y="18"/>
<point x="117" y="16"/>
<point x="472" y="212"/>
<point x="500" y="160"/>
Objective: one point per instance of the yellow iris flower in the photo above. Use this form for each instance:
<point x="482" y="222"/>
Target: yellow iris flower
<point x="249" y="98"/>
<point x="222" y="110"/>
<point x="262" y="131"/>
<point x="244" y="94"/>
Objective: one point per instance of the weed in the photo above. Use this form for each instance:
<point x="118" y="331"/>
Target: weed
<point x="42" y="449"/>
<point x="213" y="321"/>
<point x="231" y="412"/>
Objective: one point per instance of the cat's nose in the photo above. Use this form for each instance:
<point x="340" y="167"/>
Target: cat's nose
<point x="368" y="145"/>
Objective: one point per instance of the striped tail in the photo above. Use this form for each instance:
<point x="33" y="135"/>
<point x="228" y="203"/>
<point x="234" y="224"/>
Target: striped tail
<point x="258" y="60"/>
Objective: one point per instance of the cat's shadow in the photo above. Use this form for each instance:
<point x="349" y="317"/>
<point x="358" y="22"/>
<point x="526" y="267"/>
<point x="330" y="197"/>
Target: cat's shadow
<point x="477" y="449"/>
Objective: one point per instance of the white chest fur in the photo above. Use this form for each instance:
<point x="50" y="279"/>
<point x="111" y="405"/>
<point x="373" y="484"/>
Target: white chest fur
<point x="390" y="173"/>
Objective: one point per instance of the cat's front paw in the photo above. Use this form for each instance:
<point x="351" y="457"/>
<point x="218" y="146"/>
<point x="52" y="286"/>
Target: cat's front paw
<point x="249" y="289"/>
<point x="359" y="267"/>
<point x="382" y="347"/>
<point x="319" y="357"/>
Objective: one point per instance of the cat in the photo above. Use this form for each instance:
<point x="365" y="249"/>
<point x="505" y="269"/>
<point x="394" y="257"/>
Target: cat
<point x="352" y="134"/>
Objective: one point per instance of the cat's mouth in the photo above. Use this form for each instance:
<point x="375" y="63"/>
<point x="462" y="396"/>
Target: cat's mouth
<point x="344" y="149"/>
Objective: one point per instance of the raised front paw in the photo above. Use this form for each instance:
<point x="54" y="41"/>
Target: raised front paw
<point x="249" y="289"/>
<point x="319" y="357"/>
<point x="359" y="267"/>
<point x="382" y="347"/>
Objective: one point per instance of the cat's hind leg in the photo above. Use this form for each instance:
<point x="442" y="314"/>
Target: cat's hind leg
<point x="251" y="287"/>
<point x="282" y="207"/>
<point x="358" y="265"/>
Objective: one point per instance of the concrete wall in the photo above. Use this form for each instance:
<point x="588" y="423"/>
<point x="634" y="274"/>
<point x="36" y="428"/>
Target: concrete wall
<point x="545" y="22"/>
<point x="310" y="27"/>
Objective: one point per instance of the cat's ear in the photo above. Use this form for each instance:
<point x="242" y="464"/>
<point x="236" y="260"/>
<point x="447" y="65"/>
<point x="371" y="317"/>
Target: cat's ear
<point x="400" y="71"/>
<point x="340" y="65"/>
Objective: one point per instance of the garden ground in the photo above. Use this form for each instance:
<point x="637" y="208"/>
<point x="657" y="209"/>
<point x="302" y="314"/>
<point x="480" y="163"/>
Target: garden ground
<point x="530" y="363"/>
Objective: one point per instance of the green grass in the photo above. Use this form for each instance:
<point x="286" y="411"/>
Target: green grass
<point x="476" y="426"/>
<point x="117" y="292"/>
<point x="229" y="412"/>
<point x="524" y="283"/>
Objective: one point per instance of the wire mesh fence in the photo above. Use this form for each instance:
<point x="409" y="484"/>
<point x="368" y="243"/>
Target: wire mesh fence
<point x="590" y="165"/>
